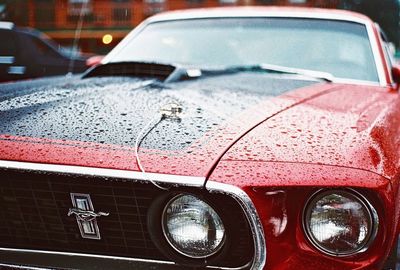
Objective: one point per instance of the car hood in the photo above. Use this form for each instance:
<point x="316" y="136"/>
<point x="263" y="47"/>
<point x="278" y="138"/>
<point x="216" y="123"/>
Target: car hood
<point x="352" y="127"/>
<point x="96" y="122"/>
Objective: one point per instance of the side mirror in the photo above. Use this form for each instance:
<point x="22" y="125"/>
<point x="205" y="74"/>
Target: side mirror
<point x="94" y="60"/>
<point x="396" y="74"/>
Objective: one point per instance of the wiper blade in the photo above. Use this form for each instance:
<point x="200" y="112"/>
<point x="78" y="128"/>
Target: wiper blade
<point x="136" y="69"/>
<point x="325" y="76"/>
<point x="174" y="72"/>
<point x="319" y="75"/>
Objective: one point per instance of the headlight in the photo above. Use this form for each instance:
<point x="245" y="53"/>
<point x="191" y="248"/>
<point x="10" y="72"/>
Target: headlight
<point x="192" y="227"/>
<point x="339" y="222"/>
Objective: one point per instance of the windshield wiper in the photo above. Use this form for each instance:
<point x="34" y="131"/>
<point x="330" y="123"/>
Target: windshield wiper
<point x="269" y="68"/>
<point x="174" y="72"/>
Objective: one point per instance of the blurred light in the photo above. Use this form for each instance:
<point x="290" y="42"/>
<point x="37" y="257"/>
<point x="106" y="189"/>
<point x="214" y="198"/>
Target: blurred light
<point x="107" y="39"/>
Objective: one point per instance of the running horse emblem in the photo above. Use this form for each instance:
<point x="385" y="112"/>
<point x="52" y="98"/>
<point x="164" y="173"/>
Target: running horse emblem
<point x="85" y="215"/>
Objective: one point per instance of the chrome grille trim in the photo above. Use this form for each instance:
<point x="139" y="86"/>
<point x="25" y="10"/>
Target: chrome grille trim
<point x="193" y="181"/>
<point x="15" y="266"/>
<point x="83" y="255"/>
<point x="238" y="194"/>
<point x="24" y="252"/>
<point x="260" y="252"/>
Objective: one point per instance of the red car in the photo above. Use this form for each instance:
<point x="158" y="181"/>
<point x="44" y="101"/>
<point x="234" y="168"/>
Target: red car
<point x="230" y="138"/>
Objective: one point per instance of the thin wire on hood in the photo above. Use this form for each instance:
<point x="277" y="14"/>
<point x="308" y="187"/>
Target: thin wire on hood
<point x="140" y="137"/>
<point x="171" y="110"/>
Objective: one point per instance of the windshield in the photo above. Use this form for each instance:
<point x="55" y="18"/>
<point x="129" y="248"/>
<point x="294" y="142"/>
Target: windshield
<point x="336" y="47"/>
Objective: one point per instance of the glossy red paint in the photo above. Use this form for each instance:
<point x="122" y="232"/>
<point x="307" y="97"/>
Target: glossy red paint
<point x="204" y="153"/>
<point x="279" y="152"/>
<point x="332" y="144"/>
<point x="280" y="191"/>
<point x="351" y="126"/>
<point x="281" y="209"/>
<point x="345" y="138"/>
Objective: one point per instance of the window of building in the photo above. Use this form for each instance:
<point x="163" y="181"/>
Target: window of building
<point x="122" y="15"/>
<point x="228" y="1"/>
<point x="45" y="13"/>
<point x="154" y="1"/>
<point x="153" y="7"/>
<point x="297" y="1"/>
<point x="79" y="1"/>
<point x="78" y="7"/>
<point x="265" y="2"/>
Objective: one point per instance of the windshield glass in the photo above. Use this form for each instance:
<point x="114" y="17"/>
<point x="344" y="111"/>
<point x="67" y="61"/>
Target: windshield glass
<point x="337" y="47"/>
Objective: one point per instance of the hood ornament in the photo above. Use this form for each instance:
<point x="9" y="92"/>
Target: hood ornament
<point x="85" y="215"/>
<point x="171" y="111"/>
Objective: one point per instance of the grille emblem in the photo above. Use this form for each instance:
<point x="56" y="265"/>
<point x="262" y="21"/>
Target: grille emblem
<point x="85" y="215"/>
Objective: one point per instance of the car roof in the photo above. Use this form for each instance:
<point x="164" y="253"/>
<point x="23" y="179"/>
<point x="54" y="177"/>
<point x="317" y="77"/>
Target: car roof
<point x="29" y="30"/>
<point x="262" y="11"/>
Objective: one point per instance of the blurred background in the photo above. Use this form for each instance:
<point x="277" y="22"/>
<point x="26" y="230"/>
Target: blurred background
<point x="98" y="25"/>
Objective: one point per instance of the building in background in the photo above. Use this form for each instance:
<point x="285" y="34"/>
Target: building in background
<point x="105" y="22"/>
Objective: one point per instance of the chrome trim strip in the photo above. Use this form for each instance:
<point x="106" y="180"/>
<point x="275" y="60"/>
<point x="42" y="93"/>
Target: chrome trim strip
<point x="76" y="256"/>
<point x="252" y="13"/>
<point x="377" y="58"/>
<point x="102" y="172"/>
<point x="7" y="59"/>
<point x="260" y="251"/>
<point x="238" y="194"/>
<point x="6" y="25"/>
<point x="246" y="266"/>
<point x="83" y="255"/>
<point x="15" y="266"/>
<point x="357" y="82"/>
<point x="16" y="70"/>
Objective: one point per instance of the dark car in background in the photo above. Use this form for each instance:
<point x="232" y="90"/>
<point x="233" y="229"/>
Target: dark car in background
<point x="27" y="53"/>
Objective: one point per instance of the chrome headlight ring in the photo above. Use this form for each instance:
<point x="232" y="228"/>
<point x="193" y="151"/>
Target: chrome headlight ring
<point x="192" y="227"/>
<point x="340" y="222"/>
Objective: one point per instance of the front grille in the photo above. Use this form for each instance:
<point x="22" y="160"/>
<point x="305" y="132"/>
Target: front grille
<point x="34" y="207"/>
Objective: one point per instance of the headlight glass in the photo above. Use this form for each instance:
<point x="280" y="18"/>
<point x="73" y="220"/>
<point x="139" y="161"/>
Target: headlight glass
<point x="192" y="227"/>
<point x="340" y="222"/>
